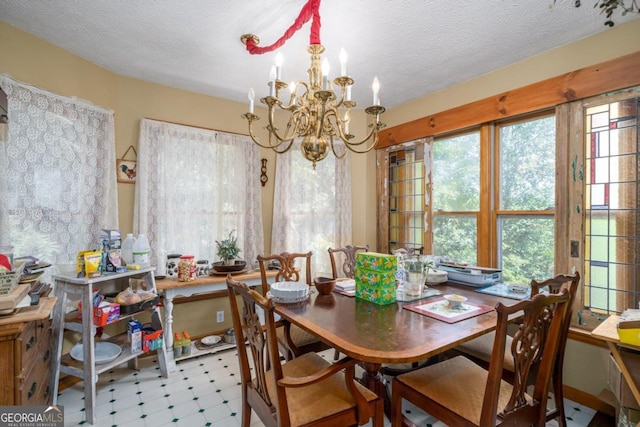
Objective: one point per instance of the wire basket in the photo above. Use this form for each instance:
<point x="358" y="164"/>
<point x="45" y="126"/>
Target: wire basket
<point x="9" y="280"/>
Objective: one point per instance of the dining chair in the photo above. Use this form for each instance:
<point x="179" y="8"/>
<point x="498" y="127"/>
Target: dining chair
<point x="348" y="255"/>
<point x="459" y="392"/>
<point x="480" y="349"/>
<point x="293" y="340"/>
<point x="308" y="390"/>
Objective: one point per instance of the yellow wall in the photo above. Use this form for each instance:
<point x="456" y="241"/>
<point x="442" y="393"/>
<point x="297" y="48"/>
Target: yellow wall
<point x="33" y="61"/>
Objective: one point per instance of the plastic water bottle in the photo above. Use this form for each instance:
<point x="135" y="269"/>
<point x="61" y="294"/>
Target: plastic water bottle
<point x="127" y="249"/>
<point x="142" y="251"/>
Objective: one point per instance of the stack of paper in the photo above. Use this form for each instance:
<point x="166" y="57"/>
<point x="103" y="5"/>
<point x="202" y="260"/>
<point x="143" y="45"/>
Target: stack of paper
<point x="629" y="319"/>
<point x="346" y="285"/>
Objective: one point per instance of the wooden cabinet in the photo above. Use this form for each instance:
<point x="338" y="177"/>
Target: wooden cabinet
<point x="72" y="289"/>
<point x="25" y="356"/>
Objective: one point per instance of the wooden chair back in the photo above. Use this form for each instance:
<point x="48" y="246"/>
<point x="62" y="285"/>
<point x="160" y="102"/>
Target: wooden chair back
<point x="248" y="328"/>
<point x="536" y="340"/>
<point x="287" y="270"/>
<point x="555" y="285"/>
<point x="265" y="382"/>
<point x="348" y="260"/>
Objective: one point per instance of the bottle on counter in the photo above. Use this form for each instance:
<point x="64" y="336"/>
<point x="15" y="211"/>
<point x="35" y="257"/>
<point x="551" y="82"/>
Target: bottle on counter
<point x="127" y="249"/>
<point x="177" y="345"/>
<point x="142" y="251"/>
<point x="186" y="344"/>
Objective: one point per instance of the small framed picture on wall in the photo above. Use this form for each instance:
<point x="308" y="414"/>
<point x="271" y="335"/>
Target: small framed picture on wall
<point x="126" y="170"/>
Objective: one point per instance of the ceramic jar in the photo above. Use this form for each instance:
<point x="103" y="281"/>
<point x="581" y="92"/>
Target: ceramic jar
<point x="202" y="267"/>
<point x="172" y="265"/>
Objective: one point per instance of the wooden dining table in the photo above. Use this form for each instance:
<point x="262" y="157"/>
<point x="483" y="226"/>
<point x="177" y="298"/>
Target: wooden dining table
<point x="389" y="334"/>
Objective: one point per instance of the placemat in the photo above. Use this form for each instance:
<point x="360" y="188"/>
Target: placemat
<point x="349" y="293"/>
<point x="502" y="290"/>
<point x="439" y="309"/>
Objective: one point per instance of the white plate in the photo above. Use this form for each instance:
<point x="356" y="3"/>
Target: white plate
<point x="288" y="300"/>
<point x="289" y="290"/>
<point x="104" y="352"/>
<point x="211" y="340"/>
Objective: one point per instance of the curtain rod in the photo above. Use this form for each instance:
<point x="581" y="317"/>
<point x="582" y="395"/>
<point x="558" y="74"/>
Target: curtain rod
<point x="197" y="127"/>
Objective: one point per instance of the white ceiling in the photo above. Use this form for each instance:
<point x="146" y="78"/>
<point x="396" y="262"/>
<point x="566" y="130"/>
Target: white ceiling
<point x="415" y="47"/>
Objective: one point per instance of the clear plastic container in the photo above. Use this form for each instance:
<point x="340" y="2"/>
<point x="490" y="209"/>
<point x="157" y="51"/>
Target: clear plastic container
<point x="142" y="251"/>
<point x="127" y="249"/>
<point x="187" y="268"/>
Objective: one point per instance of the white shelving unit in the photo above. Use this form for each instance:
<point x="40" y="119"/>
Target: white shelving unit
<point x="82" y="288"/>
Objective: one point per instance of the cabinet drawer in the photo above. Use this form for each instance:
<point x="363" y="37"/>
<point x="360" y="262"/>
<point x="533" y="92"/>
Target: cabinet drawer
<point x="33" y="389"/>
<point x="27" y="347"/>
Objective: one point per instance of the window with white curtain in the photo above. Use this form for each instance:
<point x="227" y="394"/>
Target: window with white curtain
<point x="57" y="174"/>
<point x="312" y="209"/>
<point x="195" y="186"/>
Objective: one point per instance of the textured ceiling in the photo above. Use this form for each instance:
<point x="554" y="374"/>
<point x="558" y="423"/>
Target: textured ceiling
<point x="415" y="47"/>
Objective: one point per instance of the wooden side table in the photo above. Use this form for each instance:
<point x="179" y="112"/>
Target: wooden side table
<point x="216" y="285"/>
<point x="608" y="331"/>
<point x="25" y="356"/>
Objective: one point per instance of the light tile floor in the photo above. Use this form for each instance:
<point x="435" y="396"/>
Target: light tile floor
<point x="204" y="391"/>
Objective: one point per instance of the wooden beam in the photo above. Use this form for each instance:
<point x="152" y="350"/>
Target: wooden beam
<point x="619" y="73"/>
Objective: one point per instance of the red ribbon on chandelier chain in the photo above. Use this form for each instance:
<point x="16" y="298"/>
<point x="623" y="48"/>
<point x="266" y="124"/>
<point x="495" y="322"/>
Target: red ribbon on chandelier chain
<point x="310" y="10"/>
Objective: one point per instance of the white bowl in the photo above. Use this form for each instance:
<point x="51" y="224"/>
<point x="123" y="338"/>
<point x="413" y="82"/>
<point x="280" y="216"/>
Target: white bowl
<point x="455" y="301"/>
<point x="437" y="276"/>
<point x="289" y="290"/>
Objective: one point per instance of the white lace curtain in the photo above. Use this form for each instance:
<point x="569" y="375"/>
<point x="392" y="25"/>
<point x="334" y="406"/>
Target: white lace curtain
<point x="311" y="209"/>
<point x="193" y="187"/>
<point x="57" y="174"/>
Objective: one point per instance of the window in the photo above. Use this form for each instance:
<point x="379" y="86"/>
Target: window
<point x="456" y="196"/>
<point x="57" y="174"/>
<point x="612" y="245"/>
<point x="194" y="186"/>
<point x="406" y="198"/>
<point x="525" y="214"/>
<point x="504" y="219"/>
<point x="312" y="209"/>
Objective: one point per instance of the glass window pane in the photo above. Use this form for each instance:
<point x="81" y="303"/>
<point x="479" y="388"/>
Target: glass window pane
<point x="526" y="247"/>
<point x="454" y="237"/>
<point x="612" y="244"/>
<point x="456" y="173"/>
<point x="406" y="201"/>
<point x="527" y="165"/>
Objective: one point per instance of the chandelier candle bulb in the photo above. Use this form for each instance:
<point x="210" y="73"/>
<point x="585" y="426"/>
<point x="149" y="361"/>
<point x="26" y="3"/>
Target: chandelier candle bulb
<point x="278" y="66"/>
<point x="252" y="96"/>
<point x="348" y="94"/>
<point x="325" y="73"/>
<point x="376" y="89"/>
<point x="343" y="62"/>
<point x="272" y="81"/>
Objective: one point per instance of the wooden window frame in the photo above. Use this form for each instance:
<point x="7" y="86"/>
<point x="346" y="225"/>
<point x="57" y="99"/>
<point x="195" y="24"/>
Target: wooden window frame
<point x="565" y="93"/>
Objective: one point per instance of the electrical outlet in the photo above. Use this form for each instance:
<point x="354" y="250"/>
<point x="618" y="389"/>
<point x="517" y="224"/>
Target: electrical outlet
<point x="220" y="316"/>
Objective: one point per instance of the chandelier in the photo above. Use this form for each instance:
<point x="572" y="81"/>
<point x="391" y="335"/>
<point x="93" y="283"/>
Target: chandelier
<point x="318" y="111"/>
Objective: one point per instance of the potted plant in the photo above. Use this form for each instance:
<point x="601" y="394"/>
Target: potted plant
<point x="228" y="249"/>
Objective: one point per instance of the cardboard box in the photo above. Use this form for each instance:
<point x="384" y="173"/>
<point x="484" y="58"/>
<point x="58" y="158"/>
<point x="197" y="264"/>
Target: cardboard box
<point x="377" y="262"/>
<point x="628" y="417"/>
<point x="151" y="340"/>
<point x="111" y="241"/>
<point x="134" y="330"/>
<point x="629" y="332"/>
<point x="376" y="286"/>
<point x="617" y="383"/>
<point x="104" y="314"/>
